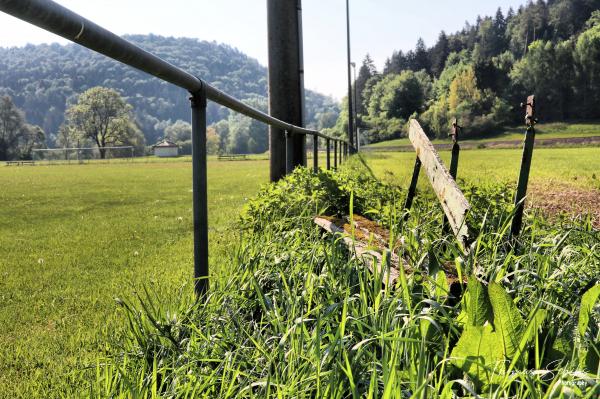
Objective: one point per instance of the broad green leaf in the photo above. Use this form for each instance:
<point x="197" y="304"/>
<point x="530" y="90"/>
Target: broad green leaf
<point x="561" y="349"/>
<point x="507" y="319"/>
<point x="589" y="358"/>
<point x="483" y="351"/>
<point x="437" y="284"/>
<point x="441" y="283"/>
<point x="531" y="329"/>
<point x="478" y="308"/>
<point x="478" y="353"/>
<point x="588" y="300"/>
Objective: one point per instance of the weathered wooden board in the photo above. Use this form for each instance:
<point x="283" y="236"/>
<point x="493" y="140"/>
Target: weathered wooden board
<point x="373" y="259"/>
<point x="451" y="198"/>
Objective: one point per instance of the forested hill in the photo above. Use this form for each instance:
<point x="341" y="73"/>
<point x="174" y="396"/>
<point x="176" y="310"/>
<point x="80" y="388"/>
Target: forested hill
<point x="42" y="79"/>
<point x="481" y="73"/>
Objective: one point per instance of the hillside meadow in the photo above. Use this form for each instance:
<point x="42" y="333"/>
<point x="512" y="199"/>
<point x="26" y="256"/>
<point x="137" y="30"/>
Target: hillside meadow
<point x="73" y="238"/>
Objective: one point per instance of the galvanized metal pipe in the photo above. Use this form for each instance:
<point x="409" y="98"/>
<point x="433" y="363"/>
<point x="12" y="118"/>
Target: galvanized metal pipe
<point x="289" y="153"/>
<point x="335" y="154"/>
<point x="328" y="154"/>
<point x="200" y="200"/>
<point x="315" y="154"/>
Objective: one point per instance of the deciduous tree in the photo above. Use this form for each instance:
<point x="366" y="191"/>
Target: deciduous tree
<point x="102" y="116"/>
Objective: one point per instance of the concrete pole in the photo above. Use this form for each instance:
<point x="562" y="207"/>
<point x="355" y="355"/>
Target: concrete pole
<point x="286" y="82"/>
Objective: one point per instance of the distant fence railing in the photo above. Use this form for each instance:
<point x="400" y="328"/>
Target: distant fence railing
<point x="59" y="20"/>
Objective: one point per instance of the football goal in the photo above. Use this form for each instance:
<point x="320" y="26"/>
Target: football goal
<point x="83" y="154"/>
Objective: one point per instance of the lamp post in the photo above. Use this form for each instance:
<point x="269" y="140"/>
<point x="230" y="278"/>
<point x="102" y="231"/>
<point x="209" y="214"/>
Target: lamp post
<point x="350" y="107"/>
<point x="355" y="114"/>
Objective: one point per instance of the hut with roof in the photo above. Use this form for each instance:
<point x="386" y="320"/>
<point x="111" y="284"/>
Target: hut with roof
<point x="165" y="149"/>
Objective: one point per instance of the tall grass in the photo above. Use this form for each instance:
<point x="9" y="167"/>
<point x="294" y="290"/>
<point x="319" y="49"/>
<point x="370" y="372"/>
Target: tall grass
<point x="300" y="318"/>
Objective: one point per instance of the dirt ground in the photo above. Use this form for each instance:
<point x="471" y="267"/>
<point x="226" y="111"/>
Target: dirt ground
<point x="466" y="145"/>
<point x="557" y="200"/>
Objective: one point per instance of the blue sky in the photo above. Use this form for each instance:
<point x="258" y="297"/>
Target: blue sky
<point x="378" y="27"/>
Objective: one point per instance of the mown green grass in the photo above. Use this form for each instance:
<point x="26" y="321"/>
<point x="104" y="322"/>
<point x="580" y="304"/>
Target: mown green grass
<point x="577" y="167"/>
<point x="74" y="237"/>
<point x="543" y="131"/>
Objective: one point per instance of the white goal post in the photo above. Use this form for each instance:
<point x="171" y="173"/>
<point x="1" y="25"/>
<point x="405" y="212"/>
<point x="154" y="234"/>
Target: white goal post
<point x="82" y="154"/>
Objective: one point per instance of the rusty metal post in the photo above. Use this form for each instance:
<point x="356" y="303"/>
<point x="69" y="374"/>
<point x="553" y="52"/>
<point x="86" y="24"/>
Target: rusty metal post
<point x="316" y="153"/>
<point x="453" y="162"/>
<point x="199" y="188"/>
<point x="328" y="154"/>
<point x="335" y="154"/>
<point x="412" y="190"/>
<point x="529" y="143"/>
<point x="285" y="83"/>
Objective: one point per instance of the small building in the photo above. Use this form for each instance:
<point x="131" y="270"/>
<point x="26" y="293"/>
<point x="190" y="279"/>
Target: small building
<point x="165" y="149"/>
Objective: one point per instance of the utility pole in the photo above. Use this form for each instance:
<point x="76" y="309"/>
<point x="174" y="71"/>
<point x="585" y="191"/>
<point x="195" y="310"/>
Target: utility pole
<point x="355" y="108"/>
<point x="350" y="107"/>
<point x="286" y="84"/>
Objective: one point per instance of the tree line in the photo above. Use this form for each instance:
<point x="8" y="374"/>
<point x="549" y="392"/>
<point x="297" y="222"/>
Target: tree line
<point x="482" y="73"/>
<point x="100" y="118"/>
<point x="44" y="81"/>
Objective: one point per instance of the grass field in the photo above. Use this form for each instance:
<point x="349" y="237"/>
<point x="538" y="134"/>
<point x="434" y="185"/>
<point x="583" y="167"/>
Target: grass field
<point x="543" y="131"/>
<point x="577" y="167"/>
<point x="72" y="238"/>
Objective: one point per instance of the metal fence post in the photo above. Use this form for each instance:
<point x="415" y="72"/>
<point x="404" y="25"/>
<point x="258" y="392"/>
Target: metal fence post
<point x="200" y="200"/>
<point x="286" y="82"/>
<point x="289" y="153"/>
<point x="530" y="121"/>
<point x="413" y="186"/>
<point x="335" y="154"/>
<point x="453" y="162"/>
<point x="316" y="153"/>
<point x="328" y="154"/>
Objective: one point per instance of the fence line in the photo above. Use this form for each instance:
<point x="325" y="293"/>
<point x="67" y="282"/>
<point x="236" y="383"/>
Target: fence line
<point x="61" y="21"/>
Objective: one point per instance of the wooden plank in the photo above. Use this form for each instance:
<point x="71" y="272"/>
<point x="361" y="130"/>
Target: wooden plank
<point x="451" y="198"/>
<point x="374" y="260"/>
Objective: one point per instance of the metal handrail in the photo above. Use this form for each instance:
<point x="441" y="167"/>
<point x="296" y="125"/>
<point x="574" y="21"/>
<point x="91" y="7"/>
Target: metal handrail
<point x="57" y="19"/>
<point x="61" y="21"/>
